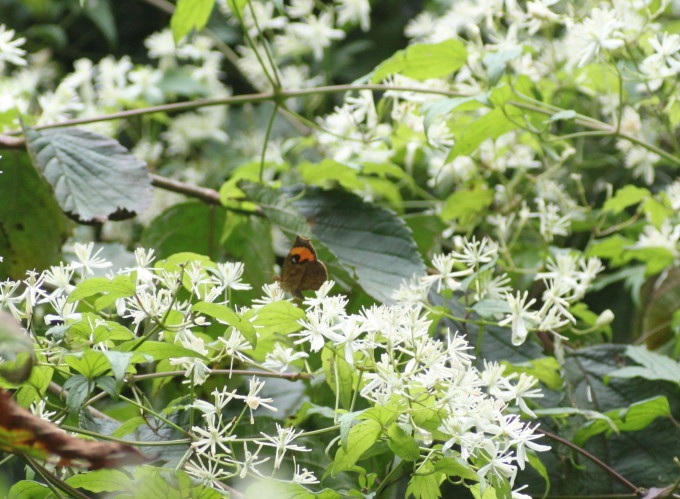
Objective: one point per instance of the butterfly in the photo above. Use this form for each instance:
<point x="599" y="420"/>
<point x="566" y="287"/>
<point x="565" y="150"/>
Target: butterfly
<point x="302" y="270"/>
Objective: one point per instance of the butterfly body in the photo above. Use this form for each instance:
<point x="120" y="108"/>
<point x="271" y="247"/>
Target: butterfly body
<point x="302" y="270"/>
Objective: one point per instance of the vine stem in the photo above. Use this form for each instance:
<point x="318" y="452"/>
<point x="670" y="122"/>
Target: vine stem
<point x="594" y="459"/>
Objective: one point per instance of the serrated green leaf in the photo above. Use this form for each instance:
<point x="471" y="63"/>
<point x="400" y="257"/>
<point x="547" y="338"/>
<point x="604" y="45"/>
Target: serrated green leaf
<point x="191" y="226"/>
<point x="188" y="15"/>
<point x="361" y="437"/>
<point x="655" y="366"/>
<point x="16" y="350"/>
<point x="369" y="241"/>
<point x="634" y="418"/>
<point x="119" y="287"/>
<point x="27" y="489"/>
<point x="402" y="444"/>
<point x="340" y="376"/>
<point x="119" y="362"/>
<point x="328" y="172"/>
<point x="278" y="209"/>
<point x="79" y="388"/>
<point x="159" y="350"/>
<point x="490" y="126"/>
<point x="227" y="315"/>
<point x="279" y="317"/>
<point x="425" y="484"/>
<point x="89" y="363"/>
<point x="92" y="175"/>
<point x="467" y="204"/>
<point x="423" y="61"/>
<point x="32" y="226"/>
<point x="109" y="480"/>
<point x="128" y="427"/>
<point x="625" y="197"/>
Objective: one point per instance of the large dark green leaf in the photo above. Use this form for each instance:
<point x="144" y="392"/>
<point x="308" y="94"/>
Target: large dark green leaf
<point x="370" y="241"/>
<point x="632" y="454"/>
<point x="277" y="208"/>
<point x="92" y="175"/>
<point x="192" y="226"/>
<point x="32" y="227"/>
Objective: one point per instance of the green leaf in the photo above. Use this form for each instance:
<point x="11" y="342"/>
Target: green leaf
<point x="466" y="205"/>
<point x="402" y="444"/>
<point x="119" y="362"/>
<point x="32" y="227"/>
<point x="495" y="63"/>
<point x="585" y="373"/>
<point x="159" y="350"/>
<point x="369" y="241"/>
<point x="79" y="388"/>
<point x="99" y="12"/>
<point x="89" y="363"/>
<point x="279" y="317"/>
<point x="656" y="211"/>
<point x="423" y="61"/>
<point x="16" y="350"/>
<point x="191" y="226"/>
<point x="277" y="208"/>
<point x="27" y="489"/>
<point x="339" y="375"/>
<point x="329" y="172"/>
<point x="424" y="484"/>
<point x="129" y="426"/>
<point x="361" y="438"/>
<point x="225" y="314"/>
<point x="625" y="197"/>
<point x="443" y="107"/>
<point x="108" y="480"/>
<point x="634" y="418"/>
<point x="455" y="467"/>
<point x="119" y="287"/>
<point x="655" y="366"/>
<point x="612" y="247"/>
<point x="536" y="464"/>
<point x="93" y="176"/>
<point x="248" y="239"/>
<point x="188" y="15"/>
<point x="490" y="126"/>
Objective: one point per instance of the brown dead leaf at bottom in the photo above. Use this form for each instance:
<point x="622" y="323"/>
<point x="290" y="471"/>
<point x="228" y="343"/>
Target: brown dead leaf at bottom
<point x="23" y="432"/>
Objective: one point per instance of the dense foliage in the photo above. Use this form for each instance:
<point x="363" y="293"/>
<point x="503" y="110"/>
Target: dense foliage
<point x="492" y="185"/>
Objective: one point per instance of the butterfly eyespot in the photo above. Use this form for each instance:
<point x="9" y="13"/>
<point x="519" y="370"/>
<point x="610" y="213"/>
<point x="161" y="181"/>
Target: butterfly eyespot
<point x="295" y="258"/>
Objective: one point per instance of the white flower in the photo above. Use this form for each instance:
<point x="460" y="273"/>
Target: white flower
<point x="602" y="30"/>
<point x="9" y="297"/>
<point x="304" y="477"/>
<point x="281" y="358"/>
<point x="282" y="441"/>
<point x="209" y="474"/>
<point x="317" y="32"/>
<point x="444" y="273"/>
<point x="520" y="316"/>
<point x="63" y="311"/>
<point x="9" y="49"/>
<point x="667" y="237"/>
<point x="253" y="401"/>
<point x="355" y="11"/>
<point x="551" y="224"/>
<point x="229" y="275"/>
<point x="196" y="371"/>
<point x="216" y="435"/>
<point x="87" y="262"/>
